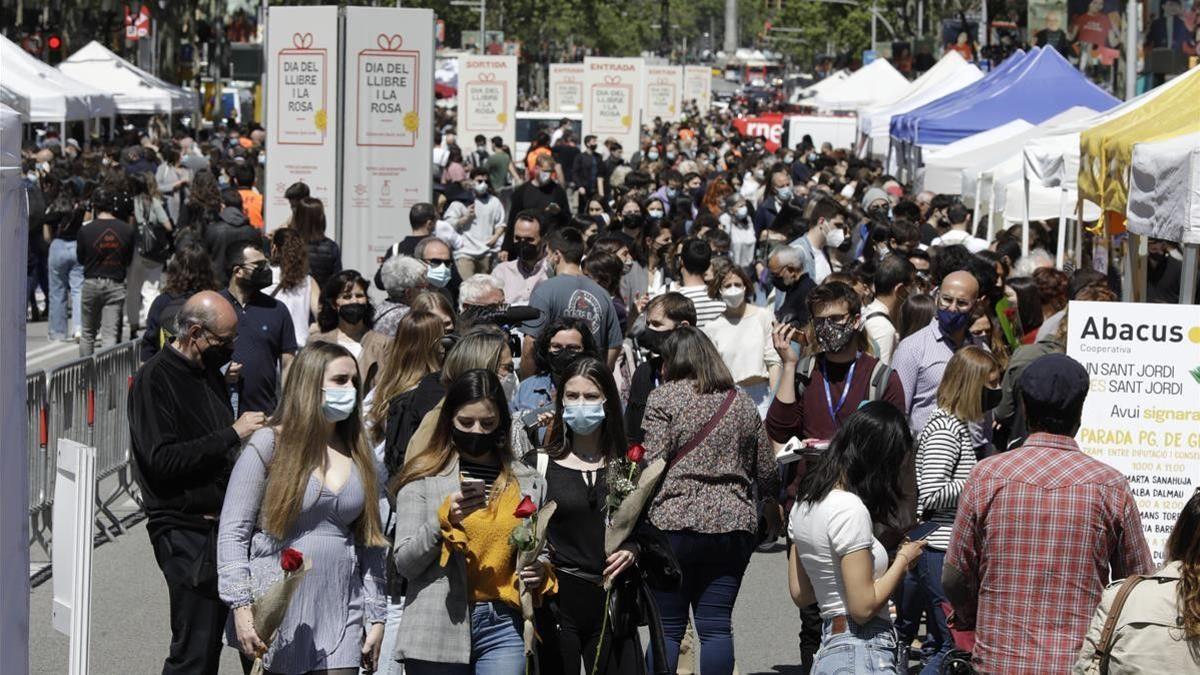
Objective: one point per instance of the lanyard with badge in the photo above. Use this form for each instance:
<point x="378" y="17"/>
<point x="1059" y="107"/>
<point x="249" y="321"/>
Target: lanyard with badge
<point x="833" y="411"/>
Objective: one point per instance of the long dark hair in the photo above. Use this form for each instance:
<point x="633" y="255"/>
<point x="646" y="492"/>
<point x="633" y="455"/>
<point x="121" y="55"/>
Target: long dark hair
<point x="189" y="271"/>
<point x="1183" y="547"/>
<point x="327" y="317"/>
<point x="290" y="254"/>
<point x="430" y="460"/>
<point x="864" y="457"/>
<point x="541" y="349"/>
<point x="612" y="431"/>
<point x="308" y="217"/>
<point x="204" y="194"/>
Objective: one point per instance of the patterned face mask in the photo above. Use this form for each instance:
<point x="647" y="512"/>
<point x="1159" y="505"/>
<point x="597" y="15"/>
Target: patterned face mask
<point x="831" y="336"/>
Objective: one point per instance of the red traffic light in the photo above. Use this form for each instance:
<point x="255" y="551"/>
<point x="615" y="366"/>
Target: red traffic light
<point x="54" y="42"/>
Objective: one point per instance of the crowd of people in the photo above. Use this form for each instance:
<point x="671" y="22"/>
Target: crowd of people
<point x="774" y="344"/>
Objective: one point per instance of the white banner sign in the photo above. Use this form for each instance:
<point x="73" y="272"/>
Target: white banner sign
<point x="664" y="93"/>
<point x="487" y="98"/>
<point x="389" y="128"/>
<point x="302" y="108"/>
<point x="612" y="101"/>
<point x="697" y="86"/>
<point x="566" y="87"/>
<point x="1142" y="414"/>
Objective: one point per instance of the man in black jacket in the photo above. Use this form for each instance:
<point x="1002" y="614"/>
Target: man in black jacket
<point x="185" y="441"/>
<point x="228" y="234"/>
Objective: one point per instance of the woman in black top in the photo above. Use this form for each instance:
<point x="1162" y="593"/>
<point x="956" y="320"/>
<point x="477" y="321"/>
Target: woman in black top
<point x="203" y="206"/>
<point x="324" y="256"/>
<point x="587" y="437"/>
<point x="189" y="271"/>
<point x="64" y="217"/>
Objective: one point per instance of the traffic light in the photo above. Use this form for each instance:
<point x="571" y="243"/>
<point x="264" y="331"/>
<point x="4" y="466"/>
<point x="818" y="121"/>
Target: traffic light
<point x="54" y="49"/>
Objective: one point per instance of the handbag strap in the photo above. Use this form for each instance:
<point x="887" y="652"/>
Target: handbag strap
<point x="1104" y="646"/>
<point x="707" y="429"/>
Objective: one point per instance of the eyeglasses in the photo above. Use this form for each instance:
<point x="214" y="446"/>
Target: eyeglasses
<point x="962" y="304"/>
<point x="215" y="339"/>
<point x="434" y="262"/>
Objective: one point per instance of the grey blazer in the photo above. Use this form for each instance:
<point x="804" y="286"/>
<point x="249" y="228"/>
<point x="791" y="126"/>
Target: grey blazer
<point x="437" y="618"/>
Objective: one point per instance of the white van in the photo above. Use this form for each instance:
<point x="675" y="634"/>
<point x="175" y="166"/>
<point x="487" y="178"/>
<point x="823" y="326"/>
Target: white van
<point x="530" y="123"/>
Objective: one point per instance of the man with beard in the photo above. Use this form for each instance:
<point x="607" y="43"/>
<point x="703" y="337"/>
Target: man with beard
<point x="526" y="268"/>
<point x="266" y="338"/>
<point x="185" y="441"/>
<point x="542" y="193"/>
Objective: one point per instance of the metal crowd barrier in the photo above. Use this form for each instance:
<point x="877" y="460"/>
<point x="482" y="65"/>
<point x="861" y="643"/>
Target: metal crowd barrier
<point x="86" y="401"/>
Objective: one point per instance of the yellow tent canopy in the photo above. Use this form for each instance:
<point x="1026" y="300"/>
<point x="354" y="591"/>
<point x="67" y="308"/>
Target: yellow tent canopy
<point x="1106" y="150"/>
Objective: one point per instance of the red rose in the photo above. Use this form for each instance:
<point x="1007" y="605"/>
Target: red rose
<point x="525" y="508"/>
<point x="291" y="560"/>
<point x="635" y="453"/>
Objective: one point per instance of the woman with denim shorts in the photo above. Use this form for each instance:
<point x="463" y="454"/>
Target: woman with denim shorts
<point x="835" y="560"/>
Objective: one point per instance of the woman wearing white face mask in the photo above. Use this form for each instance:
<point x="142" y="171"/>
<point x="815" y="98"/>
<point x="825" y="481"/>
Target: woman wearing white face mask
<point x="307" y="481"/>
<point x="586" y="438"/>
<point x="742" y="335"/>
<point x="737" y="224"/>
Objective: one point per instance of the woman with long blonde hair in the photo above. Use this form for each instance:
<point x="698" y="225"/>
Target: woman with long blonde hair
<point x="307" y="481"/>
<point x="415" y="352"/>
<point x="456" y="507"/>
<point x="970" y="387"/>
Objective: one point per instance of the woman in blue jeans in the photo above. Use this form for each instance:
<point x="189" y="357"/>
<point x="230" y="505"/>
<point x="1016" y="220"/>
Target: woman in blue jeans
<point x="64" y="217"/>
<point x="719" y="464"/>
<point x="835" y="560"/>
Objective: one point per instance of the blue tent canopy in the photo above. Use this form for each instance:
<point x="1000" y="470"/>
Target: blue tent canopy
<point x="902" y="125"/>
<point x="1042" y="85"/>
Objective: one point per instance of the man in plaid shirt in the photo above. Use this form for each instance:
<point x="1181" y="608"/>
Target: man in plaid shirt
<point x="1039" y="533"/>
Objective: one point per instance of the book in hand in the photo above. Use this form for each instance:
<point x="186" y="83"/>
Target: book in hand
<point x="795" y="449"/>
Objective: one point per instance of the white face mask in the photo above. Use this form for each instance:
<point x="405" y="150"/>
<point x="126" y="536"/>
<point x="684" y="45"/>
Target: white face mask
<point x="741" y="211"/>
<point x="835" y="238"/>
<point x="339" y="403"/>
<point x="734" y="296"/>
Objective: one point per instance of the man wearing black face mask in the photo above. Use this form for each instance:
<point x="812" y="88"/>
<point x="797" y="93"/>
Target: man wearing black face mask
<point x="184" y="441"/>
<point x="527" y="267"/>
<point x="787" y="275"/>
<point x="664" y="314"/>
<point x="268" y="340"/>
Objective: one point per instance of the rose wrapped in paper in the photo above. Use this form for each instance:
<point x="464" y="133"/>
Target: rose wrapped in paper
<point x="270" y="607"/>
<point x="529" y="538"/>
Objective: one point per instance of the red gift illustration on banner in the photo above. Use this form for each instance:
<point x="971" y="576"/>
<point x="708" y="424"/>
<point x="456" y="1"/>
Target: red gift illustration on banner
<point x="611" y="106"/>
<point x="303" y="80"/>
<point x="486" y="103"/>
<point x="389" y="98"/>
<point x="660" y="98"/>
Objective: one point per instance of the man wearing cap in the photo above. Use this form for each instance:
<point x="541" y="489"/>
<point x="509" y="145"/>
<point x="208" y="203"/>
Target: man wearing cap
<point x="1059" y="526"/>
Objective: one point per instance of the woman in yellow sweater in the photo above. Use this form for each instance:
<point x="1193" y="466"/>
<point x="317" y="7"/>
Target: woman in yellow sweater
<point x="455" y="511"/>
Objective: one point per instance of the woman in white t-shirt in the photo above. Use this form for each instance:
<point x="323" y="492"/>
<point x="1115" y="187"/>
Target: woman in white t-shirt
<point x="742" y="335"/>
<point x="835" y="560"/>
<point x="292" y="285"/>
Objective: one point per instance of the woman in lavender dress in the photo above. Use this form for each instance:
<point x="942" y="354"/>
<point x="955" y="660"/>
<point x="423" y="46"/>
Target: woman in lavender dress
<point x="308" y="481"/>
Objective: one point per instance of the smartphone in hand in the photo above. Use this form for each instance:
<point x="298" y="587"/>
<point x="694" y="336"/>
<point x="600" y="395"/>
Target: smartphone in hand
<point x="922" y="531"/>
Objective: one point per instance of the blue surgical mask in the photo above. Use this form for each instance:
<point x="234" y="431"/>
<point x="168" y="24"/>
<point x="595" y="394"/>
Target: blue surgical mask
<point x="784" y="194"/>
<point x="583" y="418"/>
<point x="671" y="192"/>
<point x="652" y="156"/>
<point x="654" y="215"/>
<point x="438" y="275"/>
<point x="951" y="321"/>
<point x="339" y="403"/>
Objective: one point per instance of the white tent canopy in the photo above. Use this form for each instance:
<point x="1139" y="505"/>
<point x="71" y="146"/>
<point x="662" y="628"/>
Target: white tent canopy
<point x="943" y="166"/>
<point x="51" y="95"/>
<point x="875" y="83"/>
<point x="812" y="90"/>
<point x="134" y="91"/>
<point x="1164" y="189"/>
<point x="948" y="75"/>
<point x="15" y="101"/>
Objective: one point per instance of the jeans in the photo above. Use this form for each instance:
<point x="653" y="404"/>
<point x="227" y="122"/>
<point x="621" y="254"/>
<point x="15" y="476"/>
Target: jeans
<point x="103" y="301"/>
<point x="142" y="281"/>
<point x="388" y="665"/>
<point x="861" y="650"/>
<point x="66" y="275"/>
<point x="928" y="573"/>
<point x="497" y="647"/>
<point x="910" y="605"/>
<point x="712" y="565"/>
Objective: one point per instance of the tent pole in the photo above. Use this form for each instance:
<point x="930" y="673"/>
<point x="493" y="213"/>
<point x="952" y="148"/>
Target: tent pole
<point x="1128" y="273"/>
<point x="1025" y="222"/>
<point x="1079" y="235"/>
<point x="1062" y="229"/>
<point x="975" y="214"/>
<point x="1187" y="289"/>
<point x="1131" y="47"/>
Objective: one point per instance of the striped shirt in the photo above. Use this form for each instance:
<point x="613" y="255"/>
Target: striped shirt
<point x="945" y="457"/>
<point x="707" y="308"/>
<point x="485" y="472"/>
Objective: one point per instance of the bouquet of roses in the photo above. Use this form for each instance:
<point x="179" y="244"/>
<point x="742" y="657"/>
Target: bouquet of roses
<point x="270" y="608"/>
<point x="529" y="538"/>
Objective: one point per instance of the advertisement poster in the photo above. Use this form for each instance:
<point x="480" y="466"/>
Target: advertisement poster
<point x="487" y="97"/>
<point x="664" y="92"/>
<point x="1048" y="25"/>
<point x="1142" y="413"/>
<point x="566" y="87"/>
<point x="697" y="86"/>
<point x="389" y="128"/>
<point x="302" y="66"/>
<point x="768" y="126"/>
<point x="613" y="99"/>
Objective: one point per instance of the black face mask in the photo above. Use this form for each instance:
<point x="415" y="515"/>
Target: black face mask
<point x="991" y="398"/>
<point x="559" y="361"/>
<point x="473" y="444"/>
<point x="353" y="313"/>
<point x="631" y="221"/>
<point x="781" y="285"/>
<point x="216" y="356"/>
<point x="527" y="252"/>
<point x="259" y="279"/>
<point x="652" y="340"/>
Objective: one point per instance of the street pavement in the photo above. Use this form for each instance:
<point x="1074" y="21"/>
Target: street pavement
<point x="131" y="627"/>
<point x="41" y="353"/>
